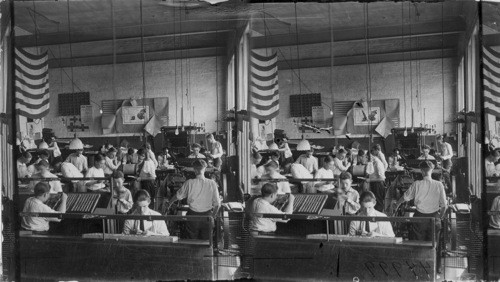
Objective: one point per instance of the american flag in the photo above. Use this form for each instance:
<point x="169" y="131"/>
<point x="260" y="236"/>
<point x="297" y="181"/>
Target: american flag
<point x="491" y="81"/>
<point x="32" y="84"/>
<point x="264" y="95"/>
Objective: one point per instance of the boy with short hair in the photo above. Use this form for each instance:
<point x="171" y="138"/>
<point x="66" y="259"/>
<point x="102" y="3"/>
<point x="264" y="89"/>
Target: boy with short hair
<point x="263" y="205"/>
<point x="122" y="198"/>
<point x="36" y="204"/>
<point x="367" y="228"/>
<point x="96" y="171"/>
<point x="196" y="152"/>
<point x="142" y="200"/>
<point x="272" y="173"/>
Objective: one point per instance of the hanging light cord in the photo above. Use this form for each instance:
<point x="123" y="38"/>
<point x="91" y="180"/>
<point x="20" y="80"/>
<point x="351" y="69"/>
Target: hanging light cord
<point x="368" y="72"/>
<point x="298" y="58"/>
<point x="175" y="71"/>
<point x="411" y="65"/>
<point x="71" y="51"/>
<point x="442" y="56"/>
<point x="404" y="67"/>
<point x="182" y="69"/>
<point x="143" y="63"/>
<point x="113" y="70"/>
<point x="217" y="73"/>
<point x="331" y="53"/>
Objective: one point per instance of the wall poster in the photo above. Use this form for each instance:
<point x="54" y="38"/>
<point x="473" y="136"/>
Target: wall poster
<point x="135" y="114"/>
<point x="365" y="116"/>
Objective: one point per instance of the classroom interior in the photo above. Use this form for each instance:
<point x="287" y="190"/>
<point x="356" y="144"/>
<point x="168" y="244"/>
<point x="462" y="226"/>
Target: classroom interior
<point x="251" y="88"/>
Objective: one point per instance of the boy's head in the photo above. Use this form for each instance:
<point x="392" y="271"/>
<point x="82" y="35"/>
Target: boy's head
<point x="99" y="161"/>
<point x="25" y="157"/>
<point x="345" y="180"/>
<point x="44" y="155"/>
<point x="118" y="179"/>
<point x="270" y="191"/>
<point x="426" y="167"/>
<point x="42" y="190"/>
<point x="328" y="162"/>
<point x="341" y="154"/>
<point x="275" y="156"/>
<point x="112" y="152"/>
<point x="210" y="138"/>
<point x="256" y="158"/>
<point x="439" y="139"/>
<point x="426" y="149"/>
<point x="130" y="151"/>
<point x="310" y="152"/>
<point x="271" y="167"/>
<point x="196" y="148"/>
<point x="142" y="199"/>
<point x="42" y="166"/>
<point x="367" y="200"/>
<point x="141" y="154"/>
<point x="199" y="166"/>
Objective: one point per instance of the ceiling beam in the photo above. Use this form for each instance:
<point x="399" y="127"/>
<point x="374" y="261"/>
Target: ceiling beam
<point x="374" y="58"/>
<point x="356" y="34"/>
<point x="125" y="33"/>
<point x="136" y="57"/>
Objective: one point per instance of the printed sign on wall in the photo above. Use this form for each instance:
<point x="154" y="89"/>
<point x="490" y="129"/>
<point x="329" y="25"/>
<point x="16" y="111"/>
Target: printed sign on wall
<point x="135" y="115"/>
<point x="365" y="116"/>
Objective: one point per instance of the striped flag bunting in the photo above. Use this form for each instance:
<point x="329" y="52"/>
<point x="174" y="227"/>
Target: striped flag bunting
<point x="31" y="84"/>
<point x="264" y="94"/>
<point x="491" y="81"/>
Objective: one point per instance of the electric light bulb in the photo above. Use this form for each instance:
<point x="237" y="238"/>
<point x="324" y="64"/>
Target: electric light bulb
<point x="405" y="134"/>
<point x="176" y="131"/>
<point x="331" y="113"/>
<point x="100" y="111"/>
<point x="412" y="130"/>
<point x="183" y="128"/>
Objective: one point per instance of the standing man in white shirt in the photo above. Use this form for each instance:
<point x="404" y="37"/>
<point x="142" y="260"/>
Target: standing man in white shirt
<point x="215" y="151"/>
<point x="377" y="151"/>
<point x="430" y="200"/>
<point x="263" y="205"/>
<point x="79" y="160"/>
<point x="150" y="153"/>
<point x="202" y="197"/>
<point x="142" y="201"/>
<point x="377" y="178"/>
<point x="338" y="162"/>
<point x="37" y="204"/>
<point x="445" y="153"/>
<point x="309" y="161"/>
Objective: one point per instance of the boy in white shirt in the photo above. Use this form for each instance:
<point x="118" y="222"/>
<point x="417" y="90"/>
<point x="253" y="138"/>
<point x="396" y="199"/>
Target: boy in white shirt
<point x="349" y="197"/>
<point x="79" y="160"/>
<point x="43" y="168"/>
<point x="491" y="159"/>
<point x="272" y="173"/>
<point x="146" y="173"/>
<point x="367" y="228"/>
<point x="263" y="205"/>
<point x="324" y="172"/>
<point x="142" y="201"/>
<point x="22" y="168"/>
<point x="308" y="161"/>
<point x="96" y="171"/>
<point x="426" y="149"/>
<point x="203" y="199"/>
<point x="339" y="164"/>
<point x="122" y="198"/>
<point x="110" y="162"/>
<point x="196" y="148"/>
<point x="37" y="204"/>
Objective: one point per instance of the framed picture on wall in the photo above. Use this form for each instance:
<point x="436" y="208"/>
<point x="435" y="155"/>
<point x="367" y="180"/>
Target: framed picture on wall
<point x="135" y="114"/>
<point x="364" y="116"/>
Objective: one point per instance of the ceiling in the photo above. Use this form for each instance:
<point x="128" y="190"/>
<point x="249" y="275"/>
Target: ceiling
<point x="168" y="32"/>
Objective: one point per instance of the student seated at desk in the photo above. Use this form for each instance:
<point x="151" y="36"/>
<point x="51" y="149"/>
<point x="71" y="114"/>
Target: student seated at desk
<point x="111" y="163"/>
<point x="131" y="157"/>
<point x="68" y="170"/>
<point x="308" y="161"/>
<point x="22" y="165"/>
<point x="367" y="228"/>
<point x="426" y="149"/>
<point x="43" y="156"/>
<point x="96" y="171"/>
<point x="490" y="161"/>
<point x="37" y="204"/>
<point x="272" y="173"/>
<point x="495" y="219"/>
<point x="263" y="205"/>
<point x="203" y="199"/>
<point x="324" y="172"/>
<point x="196" y="152"/>
<point x="340" y="162"/>
<point x="164" y="159"/>
<point x="256" y="172"/>
<point x="144" y="227"/>
<point x="348" y="195"/>
<point x="122" y="197"/>
<point x="79" y="160"/>
<point x="43" y="168"/>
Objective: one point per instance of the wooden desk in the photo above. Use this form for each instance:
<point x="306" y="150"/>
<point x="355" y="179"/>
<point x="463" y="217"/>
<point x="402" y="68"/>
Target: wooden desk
<point x="75" y="258"/>
<point x="288" y="258"/>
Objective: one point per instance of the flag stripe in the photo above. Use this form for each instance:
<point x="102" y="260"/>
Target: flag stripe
<point x="32" y="94"/>
<point x="31" y="56"/>
<point x="491" y="81"/>
<point x="256" y="96"/>
<point x="264" y="87"/>
<point x="263" y="68"/>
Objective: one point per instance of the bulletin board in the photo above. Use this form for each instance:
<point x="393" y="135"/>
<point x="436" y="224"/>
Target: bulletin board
<point x="69" y="103"/>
